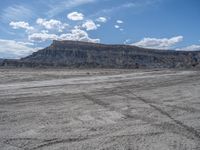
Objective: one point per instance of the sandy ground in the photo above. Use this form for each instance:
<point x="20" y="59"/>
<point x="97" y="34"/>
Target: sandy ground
<point x="99" y="109"/>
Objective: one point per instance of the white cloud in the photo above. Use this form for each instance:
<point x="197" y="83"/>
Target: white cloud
<point x="13" y="49"/>
<point x="22" y="25"/>
<point x="78" y="27"/>
<point x="117" y="27"/>
<point x="89" y="25"/>
<point x="127" y="41"/>
<point x="119" y="21"/>
<point x="75" y="16"/>
<point x="42" y="37"/>
<point x="52" y="24"/>
<point x="75" y="35"/>
<point x="58" y="6"/>
<point x="78" y="35"/>
<point x="44" y="31"/>
<point x="164" y="43"/>
<point x="190" y="48"/>
<point x="101" y="19"/>
<point x="26" y="43"/>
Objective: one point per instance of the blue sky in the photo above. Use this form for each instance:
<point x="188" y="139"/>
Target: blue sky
<point x="29" y="25"/>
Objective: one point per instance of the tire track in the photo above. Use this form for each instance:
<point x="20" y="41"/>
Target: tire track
<point x="187" y="128"/>
<point x="50" y="142"/>
<point x="58" y="141"/>
<point x="99" y="102"/>
<point x="125" y="113"/>
<point x="191" y="130"/>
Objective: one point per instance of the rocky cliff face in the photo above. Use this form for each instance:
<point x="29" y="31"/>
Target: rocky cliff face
<point x="83" y="54"/>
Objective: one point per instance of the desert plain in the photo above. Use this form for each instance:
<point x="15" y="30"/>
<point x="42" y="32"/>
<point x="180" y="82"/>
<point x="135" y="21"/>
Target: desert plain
<point x="99" y="109"/>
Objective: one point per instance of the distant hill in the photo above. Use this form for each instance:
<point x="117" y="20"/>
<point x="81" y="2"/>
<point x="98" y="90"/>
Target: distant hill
<point x="75" y="54"/>
<point x="1" y="60"/>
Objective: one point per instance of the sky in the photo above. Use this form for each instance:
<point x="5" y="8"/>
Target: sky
<point x="29" y="25"/>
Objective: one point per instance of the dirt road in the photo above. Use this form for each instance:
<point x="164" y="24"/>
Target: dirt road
<point x="99" y="109"/>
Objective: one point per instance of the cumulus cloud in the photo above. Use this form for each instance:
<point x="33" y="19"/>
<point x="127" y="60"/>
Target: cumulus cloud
<point x="21" y="25"/>
<point x="164" y="43"/>
<point x="42" y="37"/>
<point x="75" y="35"/>
<point x="44" y="31"/>
<point x="98" y="25"/>
<point x="119" y="21"/>
<point x="89" y="25"/>
<point x="190" y="48"/>
<point x="14" y="49"/>
<point x="78" y="35"/>
<point x="52" y="24"/>
<point x="75" y="16"/>
<point x="117" y="27"/>
<point x="101" y="19"/>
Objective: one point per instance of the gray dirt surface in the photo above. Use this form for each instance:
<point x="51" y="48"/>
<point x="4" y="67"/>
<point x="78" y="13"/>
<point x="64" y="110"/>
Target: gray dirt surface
<point x="106" y="109"/>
